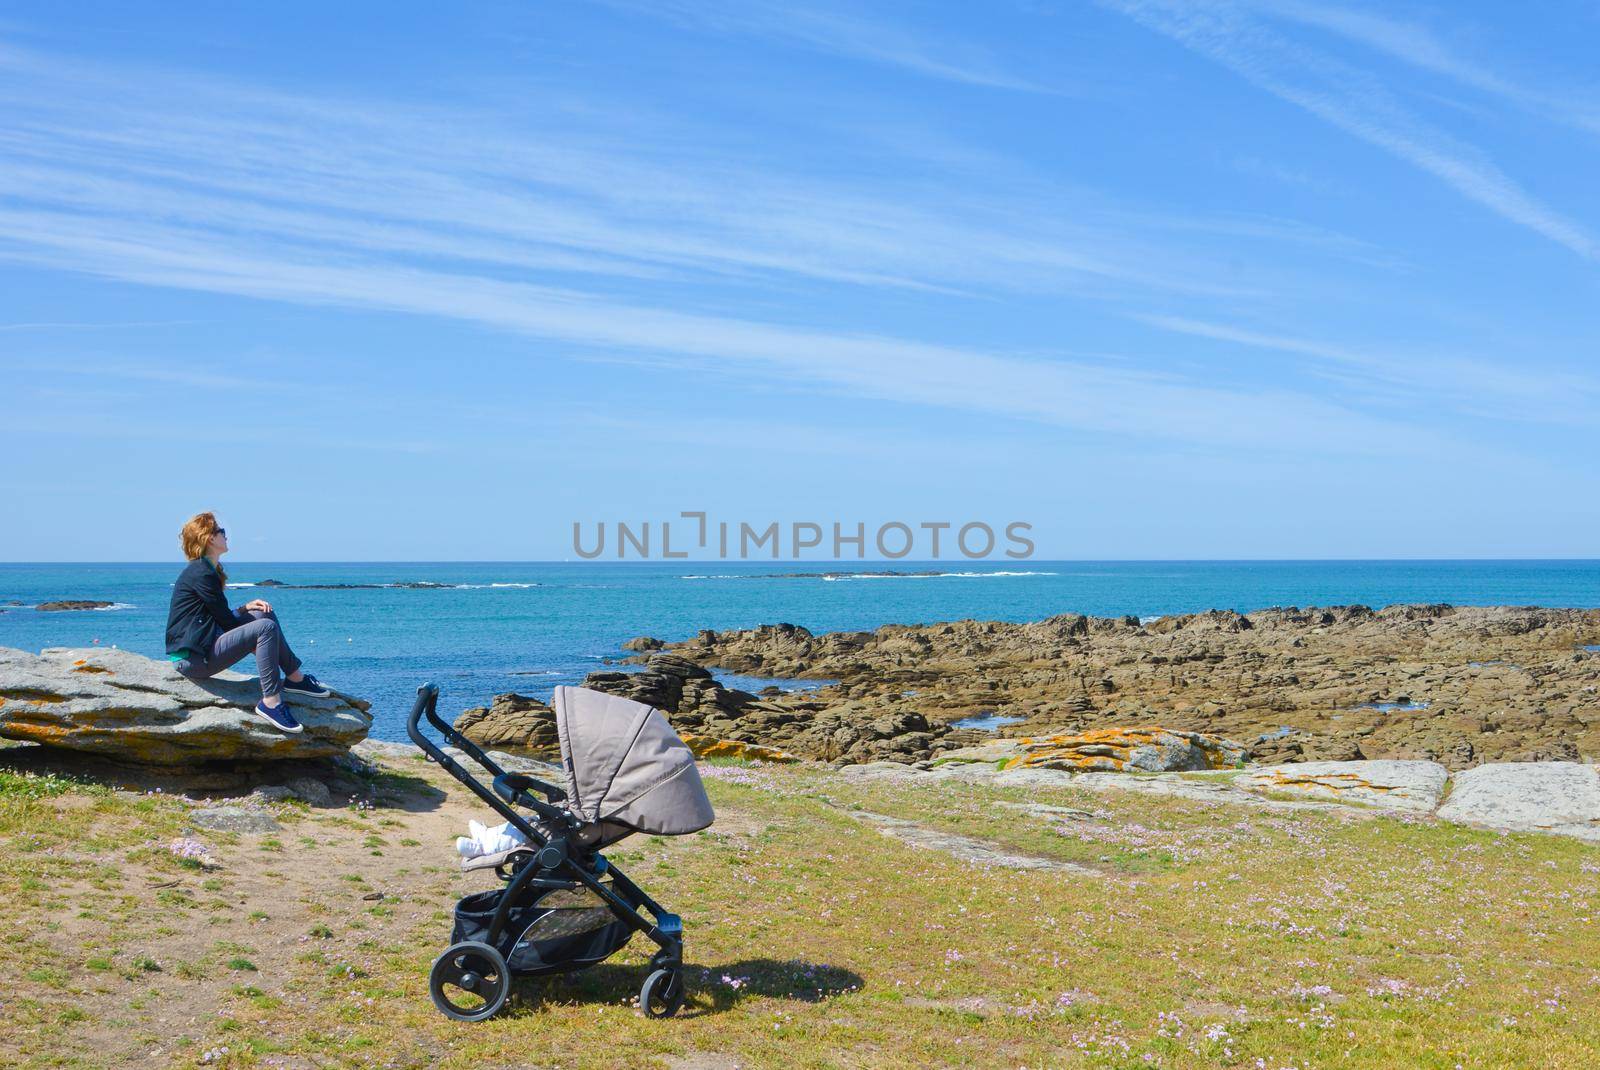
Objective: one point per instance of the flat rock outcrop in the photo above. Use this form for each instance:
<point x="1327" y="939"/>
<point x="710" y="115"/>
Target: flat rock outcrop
<point x="1454" y="685"/>
<point x="129" y="708"/>
<point x="1148" y="749"/>
<point x="1142" y="749"/>
<point x="1389" y="785"/>
<point x="1561" y="797"/>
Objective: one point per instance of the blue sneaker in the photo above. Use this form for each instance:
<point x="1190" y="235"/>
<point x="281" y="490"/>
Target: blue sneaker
<point x="307" y="685"/>
<point x="280" y="717"/>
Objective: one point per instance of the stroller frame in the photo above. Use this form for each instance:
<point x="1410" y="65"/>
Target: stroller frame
<point x="560" y="856"/>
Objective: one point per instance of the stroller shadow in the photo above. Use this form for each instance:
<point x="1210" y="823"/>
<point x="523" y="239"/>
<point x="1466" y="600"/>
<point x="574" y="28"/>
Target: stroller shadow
<point x="712" y="989"/>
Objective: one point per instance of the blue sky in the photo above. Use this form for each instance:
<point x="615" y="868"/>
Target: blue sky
<point x="1275" y="279"/>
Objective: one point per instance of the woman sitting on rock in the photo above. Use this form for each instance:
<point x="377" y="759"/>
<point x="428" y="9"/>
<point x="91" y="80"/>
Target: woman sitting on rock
<point x="205" y="635"/>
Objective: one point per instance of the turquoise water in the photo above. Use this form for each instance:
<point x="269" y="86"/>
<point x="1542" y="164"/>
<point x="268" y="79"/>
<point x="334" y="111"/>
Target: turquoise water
<point x="528" y="627"/>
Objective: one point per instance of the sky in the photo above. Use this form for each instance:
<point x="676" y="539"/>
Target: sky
<point x="1271" y="279"/>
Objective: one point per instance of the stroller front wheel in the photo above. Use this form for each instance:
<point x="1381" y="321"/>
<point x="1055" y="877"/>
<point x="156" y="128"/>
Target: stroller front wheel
<point x="662" y="993"/>
<point x="469" y="982"/>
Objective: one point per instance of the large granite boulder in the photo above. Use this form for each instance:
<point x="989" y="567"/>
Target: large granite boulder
<point x="511" y="720"/>
<point x="130" y="708"/>
<point x="791" y="723"/>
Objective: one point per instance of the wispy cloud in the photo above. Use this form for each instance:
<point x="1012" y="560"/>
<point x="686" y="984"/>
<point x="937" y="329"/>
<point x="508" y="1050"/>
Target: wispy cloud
<point x="623" y="241"/>
<point x="838" y="32"/>
<point x="121" y="326"/>
<point x="1059" y="392"/>
<point x="1354" y="101"/>
<point x="1475" y="387"/>
<point x="203" y="379"/>
<point x="613" y="197"/>
<point x="1423" y="48"/>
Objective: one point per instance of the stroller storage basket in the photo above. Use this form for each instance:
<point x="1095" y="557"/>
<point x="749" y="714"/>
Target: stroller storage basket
<point x="541" y="939"/>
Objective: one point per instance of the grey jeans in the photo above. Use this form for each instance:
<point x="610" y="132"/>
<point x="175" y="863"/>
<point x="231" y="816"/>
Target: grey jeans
<point x="261" y="637"/>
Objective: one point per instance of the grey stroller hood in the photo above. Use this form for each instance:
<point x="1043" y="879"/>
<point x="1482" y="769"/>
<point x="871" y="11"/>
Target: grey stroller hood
<point x="626" y="767"/>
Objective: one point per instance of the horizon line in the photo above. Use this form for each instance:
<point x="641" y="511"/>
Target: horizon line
<point x="889" y="562"/>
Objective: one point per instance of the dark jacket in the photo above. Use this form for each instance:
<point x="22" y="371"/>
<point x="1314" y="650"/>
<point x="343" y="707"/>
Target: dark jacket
<point x="199" y="611"/>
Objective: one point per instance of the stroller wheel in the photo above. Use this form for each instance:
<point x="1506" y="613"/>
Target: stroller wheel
<point x="469" y="982"/>
<point x="662" y="994"/>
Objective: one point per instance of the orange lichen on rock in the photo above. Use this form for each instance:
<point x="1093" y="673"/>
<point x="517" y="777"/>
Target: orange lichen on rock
<point x="1279" y="779"/>
<point x="34" y="732"/>
<point x="710" y="747"/>
<point x="1146" y="748"/>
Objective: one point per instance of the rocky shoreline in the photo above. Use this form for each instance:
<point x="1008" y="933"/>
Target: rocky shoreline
<point x="1460" y="686"/>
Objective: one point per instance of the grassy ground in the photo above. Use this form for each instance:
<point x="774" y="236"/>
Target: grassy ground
<point x="1208" y="937"/>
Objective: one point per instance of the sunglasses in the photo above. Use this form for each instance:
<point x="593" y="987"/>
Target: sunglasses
<point x="223" y="532"/>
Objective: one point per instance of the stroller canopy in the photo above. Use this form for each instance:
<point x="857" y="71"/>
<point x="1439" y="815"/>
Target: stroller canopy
<point x="626" y="766"/>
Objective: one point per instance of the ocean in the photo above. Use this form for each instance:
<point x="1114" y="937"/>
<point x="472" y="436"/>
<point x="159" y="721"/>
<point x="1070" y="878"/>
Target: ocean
<point x="527" y="627"/>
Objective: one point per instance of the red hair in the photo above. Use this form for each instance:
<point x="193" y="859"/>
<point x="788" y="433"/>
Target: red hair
<point x="196" y="538"/>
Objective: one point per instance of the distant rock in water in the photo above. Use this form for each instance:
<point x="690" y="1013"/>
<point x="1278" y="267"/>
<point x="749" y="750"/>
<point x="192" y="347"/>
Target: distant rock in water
<point x="643" y="644"/>
<point x="55" y="607"/>
<point x="405" y="585"/>
<point x="130" y="708"/>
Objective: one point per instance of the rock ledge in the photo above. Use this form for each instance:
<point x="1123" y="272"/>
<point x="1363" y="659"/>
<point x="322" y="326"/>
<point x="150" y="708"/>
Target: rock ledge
<point x="130" y="708"/>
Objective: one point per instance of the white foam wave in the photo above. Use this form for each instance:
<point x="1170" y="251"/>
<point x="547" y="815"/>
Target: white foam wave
<point x="491" y="586"/>
<point x="1005" y="573"/>
<point x="241" y="585"/>
<point x="930" y="575"/>
<point x="115" y="605"/>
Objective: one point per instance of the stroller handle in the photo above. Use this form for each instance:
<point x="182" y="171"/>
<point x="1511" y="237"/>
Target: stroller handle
<point x="427" y="706"/>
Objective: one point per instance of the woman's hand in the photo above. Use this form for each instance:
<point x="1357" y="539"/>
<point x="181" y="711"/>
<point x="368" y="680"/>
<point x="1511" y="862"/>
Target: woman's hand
<point x="260" y="605"/>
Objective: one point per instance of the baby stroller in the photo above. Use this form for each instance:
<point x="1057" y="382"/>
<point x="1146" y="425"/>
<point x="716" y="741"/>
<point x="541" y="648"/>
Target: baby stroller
<point x="563" y="906"/>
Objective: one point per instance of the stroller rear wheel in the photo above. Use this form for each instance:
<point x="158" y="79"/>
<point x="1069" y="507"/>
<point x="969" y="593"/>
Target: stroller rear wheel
<point x="469" y="982"/>
<point x="662" y="993"/>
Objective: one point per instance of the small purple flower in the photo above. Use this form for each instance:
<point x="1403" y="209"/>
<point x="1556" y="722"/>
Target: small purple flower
<point x="186" y="849"/>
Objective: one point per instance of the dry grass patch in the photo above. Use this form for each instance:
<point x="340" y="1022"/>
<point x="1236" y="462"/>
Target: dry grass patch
<point x="1210" y="936"/>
